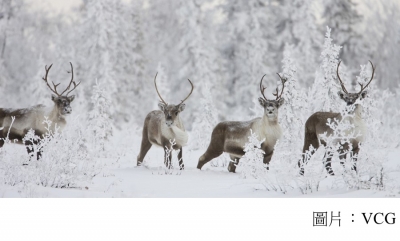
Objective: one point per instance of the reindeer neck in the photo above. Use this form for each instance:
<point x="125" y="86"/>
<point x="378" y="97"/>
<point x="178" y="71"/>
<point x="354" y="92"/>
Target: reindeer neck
<point x="268" y="128"/>
<point x="358" y="111"/>
<point x="269" y="122"/>
<point x="55" y="115"/>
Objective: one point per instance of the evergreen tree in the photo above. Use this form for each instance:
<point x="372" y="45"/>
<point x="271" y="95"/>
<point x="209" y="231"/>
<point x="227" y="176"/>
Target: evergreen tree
<point x="129" y="66"/>
<point x="385" y="43"/>
<point x="344" y="19"/>
<point x="306" y="39"/>
<point x="293" y="111"/>
<point x="205" y="121"/>
<point x="97" y="44"/>
<point x="199" y="57"/>
<point x="324" y="90"/>
<point x="100" y="121"/>
<point x="249" y="50"/>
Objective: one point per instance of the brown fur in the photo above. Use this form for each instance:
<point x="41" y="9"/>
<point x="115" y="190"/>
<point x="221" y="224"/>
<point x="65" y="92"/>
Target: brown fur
<point x="316" y="125"/>
<point x="162" y="126"/>
<point x="231" y="136"/>
<point x="32" y="118"/>
<point x="156" y="132"/>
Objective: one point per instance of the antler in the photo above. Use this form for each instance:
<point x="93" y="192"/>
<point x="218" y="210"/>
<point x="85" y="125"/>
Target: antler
<point x="189" y="93"/>
<point x="155" y="84"/>
<point x="283" y="87"/>
<point x="71" y="82"/>
<point x="372" y="76"/>
<point x="341" y="82"/>
<point x="56" y="85"/>
<point x="45" y="80"/>
<point x="262" y="88"/>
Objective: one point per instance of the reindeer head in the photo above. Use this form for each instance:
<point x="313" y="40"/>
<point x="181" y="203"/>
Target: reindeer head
<point x="271" y="106"/>
<point x="171" y="112"/>
<point x="351" y="98"/>
<point x="63" y="103"/>
<point x="60" y="100"/>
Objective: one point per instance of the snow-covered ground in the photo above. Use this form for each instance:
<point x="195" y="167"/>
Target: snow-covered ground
<point x="120" y="178"/>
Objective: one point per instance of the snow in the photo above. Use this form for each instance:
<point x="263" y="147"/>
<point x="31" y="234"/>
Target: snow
<point x="121" y="178"/>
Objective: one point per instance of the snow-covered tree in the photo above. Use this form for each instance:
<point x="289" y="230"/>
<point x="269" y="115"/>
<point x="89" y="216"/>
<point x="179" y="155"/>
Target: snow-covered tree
<point x="205" y="121"/>
<point x="292" y="114"/>
<point x="37" y="91"/>
<point x="97" y="44"/>
<point x="199" y="57"/>
<point x="345" y="20"/>
<point x="306" y="39"/>
<point x="129" y="63"/>
<point x="324" y="90"/>
<point x="252" y="161"/>
<point x="161" y="22"/>
<point x="384" y="47"/>
<point x="248" y="50"/>
<point x="26" y="34"/>
<point x="100" y="122"/>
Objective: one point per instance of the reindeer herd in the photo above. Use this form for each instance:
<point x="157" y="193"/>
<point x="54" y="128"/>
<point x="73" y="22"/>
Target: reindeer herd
<point x="162" y="126"/>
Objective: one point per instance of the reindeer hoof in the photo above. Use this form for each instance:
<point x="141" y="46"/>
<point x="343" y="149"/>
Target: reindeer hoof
<point x="200" y="164"/>
<point x="232" y="167"/>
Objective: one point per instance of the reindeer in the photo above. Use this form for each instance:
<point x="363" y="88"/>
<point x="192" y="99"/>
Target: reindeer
<point x="317" y="125"/>
<point x="231" y="136"/>
<point x="161" y="126"/>
<point x="32" y="118"/>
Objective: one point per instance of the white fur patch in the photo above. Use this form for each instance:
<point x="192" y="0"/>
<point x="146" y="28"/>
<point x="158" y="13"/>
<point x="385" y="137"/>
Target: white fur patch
<point x="180" y="136"/>
<point x="270" y="131"/>
<point x="359" y="125"/>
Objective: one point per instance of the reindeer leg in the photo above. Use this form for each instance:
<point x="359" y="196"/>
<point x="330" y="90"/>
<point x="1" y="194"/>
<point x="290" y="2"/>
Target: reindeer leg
<point x="235" y="154"/>
<point x="40" y="150"/>
<point x="30" y="150"/>
<point x="215" y="149"/>
<point x="344" y="150"/>
<point x="355" y="152"/>
<point x="310" y="139"/>
<point x="181" y="165"/>
<point x="328" y="163"/>
<point x="267" y="159"/>
<point x="232" y="165"/>
<point x="145" y="146"/>
<point x="216" y="146"/>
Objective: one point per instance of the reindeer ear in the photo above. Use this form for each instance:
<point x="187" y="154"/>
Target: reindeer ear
<point x="364" y="94"/>
<point x="340" y="94"/>
<point x="162" y="106"/>
<point x="262" y="101"/>
<point x="280" y="102"/>
<point x="54" y="98"/>
<point x="71" y="98"/>
<point x="182" y="107"/>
